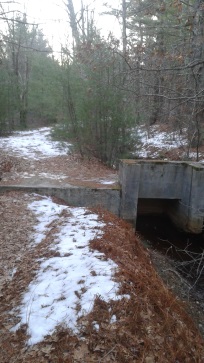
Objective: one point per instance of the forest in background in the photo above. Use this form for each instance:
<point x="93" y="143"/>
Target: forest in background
<point x="99" y="90"/>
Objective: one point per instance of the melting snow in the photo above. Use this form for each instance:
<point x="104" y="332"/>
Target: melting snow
<point x="65" y="286"/>
<point x="35" y="144"/>
<point x="158" y="139"/>
<point x="107" y="182"/>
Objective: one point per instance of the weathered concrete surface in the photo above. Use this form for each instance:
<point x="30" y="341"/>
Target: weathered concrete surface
<point x="174" y="188"/>
<point x="108" y="199"/>
<point x="129" y="175"/>
<point x="181" y="182"/>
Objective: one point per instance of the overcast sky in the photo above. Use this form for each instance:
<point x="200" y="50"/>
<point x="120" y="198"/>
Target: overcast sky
<point x="53" y="19"/>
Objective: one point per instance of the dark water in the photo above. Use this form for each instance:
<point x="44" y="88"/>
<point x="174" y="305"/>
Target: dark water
<point x="187" y="250"/>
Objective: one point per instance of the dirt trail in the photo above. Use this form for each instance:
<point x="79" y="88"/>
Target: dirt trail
<point x="33" y="158"/>
<point x="59" y="170"/>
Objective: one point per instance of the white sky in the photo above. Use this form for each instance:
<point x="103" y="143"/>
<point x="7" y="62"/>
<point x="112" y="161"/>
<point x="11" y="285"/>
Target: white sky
<point x="53" y="18"/>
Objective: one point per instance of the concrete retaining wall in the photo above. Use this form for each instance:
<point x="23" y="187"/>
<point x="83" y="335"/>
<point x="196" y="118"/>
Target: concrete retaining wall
<point x="108" y="199"/>
<point x="176" y="189"/>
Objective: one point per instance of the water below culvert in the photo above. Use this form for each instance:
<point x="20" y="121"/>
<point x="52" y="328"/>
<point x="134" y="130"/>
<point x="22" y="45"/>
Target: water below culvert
<point x="186" y="250"/>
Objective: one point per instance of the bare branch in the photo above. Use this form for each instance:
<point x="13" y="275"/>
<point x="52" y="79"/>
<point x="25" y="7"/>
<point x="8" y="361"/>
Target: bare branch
<point x="19" y="21"/>
<point x="187" y="66"/>
<point x="28" y="47"/>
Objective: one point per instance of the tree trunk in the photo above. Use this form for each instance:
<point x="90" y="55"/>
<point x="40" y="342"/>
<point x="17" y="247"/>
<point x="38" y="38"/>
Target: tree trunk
<point x="73" y="22"/>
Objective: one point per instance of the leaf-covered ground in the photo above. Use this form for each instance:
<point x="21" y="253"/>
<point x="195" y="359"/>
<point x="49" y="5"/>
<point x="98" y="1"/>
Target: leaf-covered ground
<point x="146" y="324"/>
<point x="33" y="158"/>
<point x="53" y="307"/>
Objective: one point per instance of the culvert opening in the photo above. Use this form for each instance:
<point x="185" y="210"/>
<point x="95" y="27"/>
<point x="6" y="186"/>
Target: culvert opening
<point x="185" y="250"/>
<point x="151" y="206"/>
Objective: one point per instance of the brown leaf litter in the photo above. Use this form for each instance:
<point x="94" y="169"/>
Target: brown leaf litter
<point x="149" y="326"/>
<point x="57" y="170"/>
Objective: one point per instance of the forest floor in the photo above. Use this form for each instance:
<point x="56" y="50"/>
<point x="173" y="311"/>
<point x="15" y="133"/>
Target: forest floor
<point x="77" y="285"/>
<point x="33" y="158"/>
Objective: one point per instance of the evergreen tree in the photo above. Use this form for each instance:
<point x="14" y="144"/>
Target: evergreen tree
<point x="33" y="76"/>
<point x="99" y="114"/>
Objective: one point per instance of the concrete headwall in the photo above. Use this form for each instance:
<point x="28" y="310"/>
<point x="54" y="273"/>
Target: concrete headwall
<point x="181" y="182"/>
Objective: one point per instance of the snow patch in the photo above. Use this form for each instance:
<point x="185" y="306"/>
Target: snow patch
<point x="35" y="144"/>
<point x="161" y="140"/>
<point x="65" y="286"/>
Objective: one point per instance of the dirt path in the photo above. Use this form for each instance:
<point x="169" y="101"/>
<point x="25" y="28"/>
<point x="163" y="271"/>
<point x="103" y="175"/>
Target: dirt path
<point x="23" y="160"/>
<point x="59" y="170"/>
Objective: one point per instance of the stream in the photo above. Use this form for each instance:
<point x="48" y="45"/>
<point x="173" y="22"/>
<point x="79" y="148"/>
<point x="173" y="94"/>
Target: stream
<point x="186" y="250"/>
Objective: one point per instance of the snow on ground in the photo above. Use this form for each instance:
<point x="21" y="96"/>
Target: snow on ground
<point x="151" y="145"/>
<point x="107" y="182"/>
<point x="38" y="144"/>
<point x="43" y="176"/>
<point x="35" y="144"/>
<point x="65" y="286"/>
<point x="161" y="140"/>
